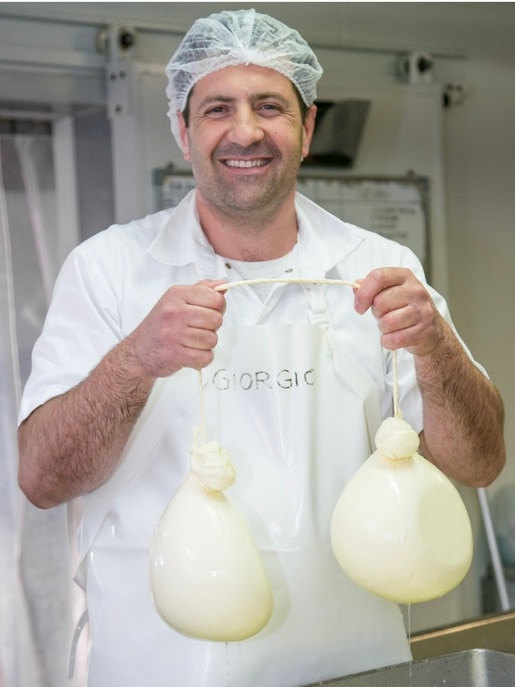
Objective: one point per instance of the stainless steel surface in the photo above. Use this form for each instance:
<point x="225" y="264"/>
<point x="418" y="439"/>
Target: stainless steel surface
<point x="494" y="632"/>
<point x="476" y="668"/>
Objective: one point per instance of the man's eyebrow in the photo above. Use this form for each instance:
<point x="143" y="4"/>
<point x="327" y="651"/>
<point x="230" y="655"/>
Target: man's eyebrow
<point x="208" y="100"/>
<point x="272" y="95"/>
<point x="268" y="95"/>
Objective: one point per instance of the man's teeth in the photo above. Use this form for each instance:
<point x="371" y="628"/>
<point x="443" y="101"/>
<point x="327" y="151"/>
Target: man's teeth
<point x="245" y="163"/>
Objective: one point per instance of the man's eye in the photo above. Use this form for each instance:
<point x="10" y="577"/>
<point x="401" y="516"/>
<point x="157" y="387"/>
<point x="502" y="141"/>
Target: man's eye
<point x="218" y="109"/>
<point x="271" y="107"/>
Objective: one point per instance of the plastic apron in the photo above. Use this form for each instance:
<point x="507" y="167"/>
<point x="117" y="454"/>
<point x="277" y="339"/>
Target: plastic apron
<point x="296" y="414"/>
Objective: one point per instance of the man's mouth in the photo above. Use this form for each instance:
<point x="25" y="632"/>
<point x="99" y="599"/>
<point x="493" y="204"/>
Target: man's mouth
<point x="246" y="164"/>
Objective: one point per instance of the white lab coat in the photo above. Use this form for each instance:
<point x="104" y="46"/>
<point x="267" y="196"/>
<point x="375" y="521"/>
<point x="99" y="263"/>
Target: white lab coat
<point x="296" y="391"/>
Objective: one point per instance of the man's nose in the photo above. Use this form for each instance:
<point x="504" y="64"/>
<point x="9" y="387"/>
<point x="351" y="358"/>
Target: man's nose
<point x="246" y="128"/>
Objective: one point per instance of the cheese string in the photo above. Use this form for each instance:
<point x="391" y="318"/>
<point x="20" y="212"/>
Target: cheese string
<point x="250" y="282"/>
<point x="396" y="410"/>
<point x="279" y="280"/>
<point x="202" y="434"/>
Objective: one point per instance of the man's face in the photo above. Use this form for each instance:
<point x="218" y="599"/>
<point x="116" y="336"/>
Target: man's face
<point x="245" y="139"/>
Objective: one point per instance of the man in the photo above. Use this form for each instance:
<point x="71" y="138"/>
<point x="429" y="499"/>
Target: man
<point x="297" y="378"/>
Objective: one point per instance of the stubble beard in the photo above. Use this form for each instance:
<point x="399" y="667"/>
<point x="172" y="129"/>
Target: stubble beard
<point x="250" y="199"/>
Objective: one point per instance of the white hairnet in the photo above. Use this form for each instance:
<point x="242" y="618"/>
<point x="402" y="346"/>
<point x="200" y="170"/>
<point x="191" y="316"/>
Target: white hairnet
<point x="231" y="38"/>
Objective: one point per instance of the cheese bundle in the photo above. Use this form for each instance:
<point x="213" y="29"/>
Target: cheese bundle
<point x="206" y="574"/>
<point x="400" y="528"/>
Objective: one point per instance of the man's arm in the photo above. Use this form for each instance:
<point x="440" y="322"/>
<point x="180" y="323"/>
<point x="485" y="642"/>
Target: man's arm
<point x="463" y="415"/>
<point x="72" y="443"/>
<point x="463" y="411"/>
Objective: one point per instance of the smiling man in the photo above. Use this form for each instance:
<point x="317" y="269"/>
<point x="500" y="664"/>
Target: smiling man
<point x="297" y="378"/>
<point x="245" y="137"/>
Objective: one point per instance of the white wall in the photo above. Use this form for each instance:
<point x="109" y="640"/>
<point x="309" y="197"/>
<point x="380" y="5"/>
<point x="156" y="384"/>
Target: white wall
<point x="480" y="168"/>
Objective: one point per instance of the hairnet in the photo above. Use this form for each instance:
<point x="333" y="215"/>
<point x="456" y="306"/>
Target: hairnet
<point x="231" y="38"/>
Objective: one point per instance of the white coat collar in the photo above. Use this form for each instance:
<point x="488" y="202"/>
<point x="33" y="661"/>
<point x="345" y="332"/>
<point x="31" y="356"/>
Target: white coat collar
<point x="324" y="240"/>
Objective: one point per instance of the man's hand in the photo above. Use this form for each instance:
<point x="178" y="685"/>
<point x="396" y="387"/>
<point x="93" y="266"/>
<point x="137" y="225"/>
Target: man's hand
<point x="180" y="330"/>
<point x="403" y="308"/>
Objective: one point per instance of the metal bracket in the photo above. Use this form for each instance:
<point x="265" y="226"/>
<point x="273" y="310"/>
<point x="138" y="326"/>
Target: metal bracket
<point x="454" y="94"/>
<point x="415" y="67"/>
<point x="118" y="43"/>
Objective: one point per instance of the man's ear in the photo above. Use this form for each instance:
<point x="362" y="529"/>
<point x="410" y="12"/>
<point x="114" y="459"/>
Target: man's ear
<point x="183" y="133"/>
<point x="308" y="128"/>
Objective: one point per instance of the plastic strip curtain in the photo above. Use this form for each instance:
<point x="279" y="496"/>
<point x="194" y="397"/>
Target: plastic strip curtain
<point x="34" y="550"/>
<point x="10" y="593"/>
<point x="24" y="147"/>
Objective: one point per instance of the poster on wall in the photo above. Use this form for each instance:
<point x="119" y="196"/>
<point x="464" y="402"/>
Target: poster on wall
<point x="395" y="207"/>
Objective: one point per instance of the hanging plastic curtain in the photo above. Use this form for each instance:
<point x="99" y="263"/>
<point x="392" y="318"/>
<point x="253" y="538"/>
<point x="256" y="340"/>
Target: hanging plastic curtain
<point x="34" y="553"/>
